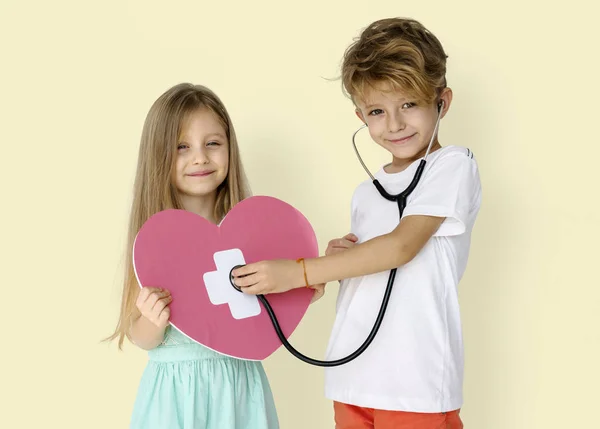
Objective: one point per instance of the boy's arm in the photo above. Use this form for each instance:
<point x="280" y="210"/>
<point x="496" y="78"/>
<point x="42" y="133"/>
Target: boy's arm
<point x="447" y="191"/>
<point x="450" y="190"/>
<point x="376" y="255"/>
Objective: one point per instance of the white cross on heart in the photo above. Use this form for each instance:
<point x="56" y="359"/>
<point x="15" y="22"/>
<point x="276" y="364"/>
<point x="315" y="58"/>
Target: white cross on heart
<point x="192" y="258"/>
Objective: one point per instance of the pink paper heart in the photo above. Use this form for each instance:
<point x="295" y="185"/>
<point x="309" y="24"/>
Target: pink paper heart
<point x="175" y="250"/>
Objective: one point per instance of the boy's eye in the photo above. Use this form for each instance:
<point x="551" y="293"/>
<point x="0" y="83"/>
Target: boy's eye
<point x="376" y="112"/>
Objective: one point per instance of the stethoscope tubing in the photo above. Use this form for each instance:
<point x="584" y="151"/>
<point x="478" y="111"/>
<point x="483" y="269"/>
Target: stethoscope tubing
<point x="400" y="199"/>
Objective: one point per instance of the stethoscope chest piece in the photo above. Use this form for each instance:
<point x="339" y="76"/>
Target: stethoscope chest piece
<point x="400" y="199"/>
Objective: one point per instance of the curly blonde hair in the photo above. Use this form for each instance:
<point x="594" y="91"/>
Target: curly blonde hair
<point x="400" y="53"/>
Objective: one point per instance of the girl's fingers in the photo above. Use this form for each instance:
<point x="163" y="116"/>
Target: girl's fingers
<point x="161" y="303"/>
<point x="164" y="315"/>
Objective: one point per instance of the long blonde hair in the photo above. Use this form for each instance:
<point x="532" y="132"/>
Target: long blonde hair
<point x="153" y="189"/>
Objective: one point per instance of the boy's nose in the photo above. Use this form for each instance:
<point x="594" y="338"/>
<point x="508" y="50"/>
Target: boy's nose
<point x="395" y="123"/>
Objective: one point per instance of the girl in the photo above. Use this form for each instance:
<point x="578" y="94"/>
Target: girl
<point x="188" y="159"/>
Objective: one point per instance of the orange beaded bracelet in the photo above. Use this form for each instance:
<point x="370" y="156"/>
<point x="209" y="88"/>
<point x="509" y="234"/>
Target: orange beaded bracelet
<point x="304" y="265"/>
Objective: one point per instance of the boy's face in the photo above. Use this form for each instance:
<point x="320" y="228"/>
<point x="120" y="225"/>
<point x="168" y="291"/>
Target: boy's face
<point x="399" y="124"/>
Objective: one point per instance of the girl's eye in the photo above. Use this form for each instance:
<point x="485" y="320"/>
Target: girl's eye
<point x="181" y="146"/>
<point x="213" y="143"/>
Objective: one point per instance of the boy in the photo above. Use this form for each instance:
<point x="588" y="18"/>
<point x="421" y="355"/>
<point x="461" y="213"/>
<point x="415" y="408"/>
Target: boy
<point x="411" y="374"/>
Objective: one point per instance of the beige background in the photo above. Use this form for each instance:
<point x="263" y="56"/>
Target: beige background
<point x="77" y="79"/>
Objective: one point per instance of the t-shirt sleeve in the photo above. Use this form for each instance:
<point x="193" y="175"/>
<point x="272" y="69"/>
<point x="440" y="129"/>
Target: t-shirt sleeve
<point x="449" y="188"/>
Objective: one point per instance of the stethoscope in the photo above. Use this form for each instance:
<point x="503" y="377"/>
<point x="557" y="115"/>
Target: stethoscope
<point x="400" y="199"/>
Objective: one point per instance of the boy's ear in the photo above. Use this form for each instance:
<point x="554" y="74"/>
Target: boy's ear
<point x="446" y="97"/>
<point x="360" y="115"/>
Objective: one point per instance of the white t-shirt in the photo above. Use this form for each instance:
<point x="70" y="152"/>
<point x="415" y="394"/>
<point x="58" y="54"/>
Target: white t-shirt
<point x="415" y="362"/>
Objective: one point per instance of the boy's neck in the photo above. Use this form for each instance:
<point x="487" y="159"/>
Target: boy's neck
<point x="400" y="164"/>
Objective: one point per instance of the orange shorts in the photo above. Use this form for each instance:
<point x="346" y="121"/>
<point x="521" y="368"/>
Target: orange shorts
<point x="352" y="417"/>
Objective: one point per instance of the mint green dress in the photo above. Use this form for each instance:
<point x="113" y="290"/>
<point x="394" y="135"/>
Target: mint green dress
<point x="188" y="386"/>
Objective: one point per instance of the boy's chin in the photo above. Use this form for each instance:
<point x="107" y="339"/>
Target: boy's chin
<point x="408" y="152"/>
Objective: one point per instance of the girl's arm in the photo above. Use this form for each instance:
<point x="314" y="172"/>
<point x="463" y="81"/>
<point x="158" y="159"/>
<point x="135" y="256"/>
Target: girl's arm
<point x="145" y="334"/>
<point x="151" y="319"/>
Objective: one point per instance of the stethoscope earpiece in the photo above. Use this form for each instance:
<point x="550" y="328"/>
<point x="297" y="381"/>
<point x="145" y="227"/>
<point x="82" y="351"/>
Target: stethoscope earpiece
<point x="400" y="200"/>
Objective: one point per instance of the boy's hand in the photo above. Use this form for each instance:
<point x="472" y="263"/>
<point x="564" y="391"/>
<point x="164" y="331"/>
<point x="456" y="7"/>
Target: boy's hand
<point x="153" y="303"/>
<point x="319" y="292"/>
<point x="276" y="276"/>
<point x="340" y="244"/>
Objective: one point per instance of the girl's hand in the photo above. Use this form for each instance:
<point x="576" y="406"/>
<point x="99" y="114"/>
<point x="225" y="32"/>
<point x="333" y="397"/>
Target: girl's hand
<point x="153" y="303"/>
<point x="341" y="244"/>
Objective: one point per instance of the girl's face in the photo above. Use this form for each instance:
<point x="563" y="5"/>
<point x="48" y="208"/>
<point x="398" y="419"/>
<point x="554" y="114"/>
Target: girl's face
<point x="202" y="160"/>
